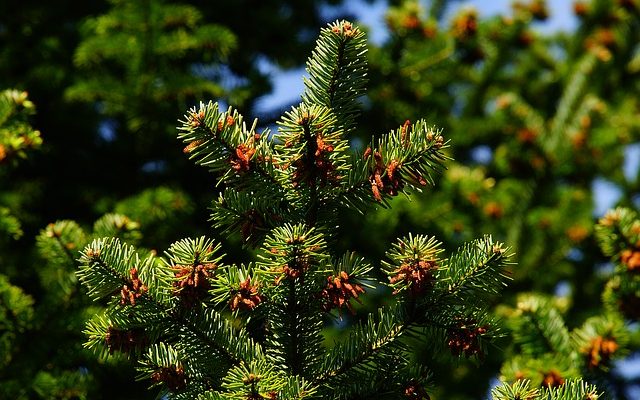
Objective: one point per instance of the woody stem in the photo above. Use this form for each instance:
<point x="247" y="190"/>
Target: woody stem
<point x="312" y="148"/>
<point x="293" y="311"/>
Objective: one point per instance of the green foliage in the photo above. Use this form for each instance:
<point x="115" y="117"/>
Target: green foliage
<point x="323" y="87"/>
<point x="545" y="351"/>
<point x="574" y="389"/>
<point x="83" y="173"/>
<point x="138" y="65"/>
<point x="60" y="308"/>
<point x="16" y="134"/>
<point x="161" y="210"/>
<point x="16" y="315"/>
<point x="17" y="138"/>
<point x="66" y="385"/>
<point x="547" y="354"/>
<point x="139" y="54"/>
<point x="543" y="108"/>
<point x="619" y="237"/>
<point x="57" y="244"/>
<point x="154" y="300"/>
<point x="257" y="330"/>
<point x="9" y="224"/>
<point x="553" y="112"/>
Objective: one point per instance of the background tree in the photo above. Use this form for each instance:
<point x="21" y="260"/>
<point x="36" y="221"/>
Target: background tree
<point x="139" y="63"/>
<point x="544" y="350"/>
<point x="49" y="360"/>
<point x="17" y="139"/>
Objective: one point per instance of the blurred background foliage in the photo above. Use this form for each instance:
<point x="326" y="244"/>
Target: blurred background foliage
<point x="539" y="123"/>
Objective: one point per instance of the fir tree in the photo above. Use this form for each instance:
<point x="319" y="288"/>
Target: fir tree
<point x="139" y="64"/>
<point x="204" y="327"/>
<point x="544" y="109"/>
<point x="421" y="72"/>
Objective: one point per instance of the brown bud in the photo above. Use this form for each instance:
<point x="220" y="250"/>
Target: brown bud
<point x="552" y="378"/>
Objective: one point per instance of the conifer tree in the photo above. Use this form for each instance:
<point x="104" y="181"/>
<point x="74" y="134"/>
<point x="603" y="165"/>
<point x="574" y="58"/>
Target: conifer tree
<point x="421" y="73"/>
<point x="141" y="53"/>
<point x="522" y="389"/>
<point x="141" y="63"/>
<point x="68" y="60"/>
<point x="204" y="327"/>
<point x="29" y="366"/>
<point x="541" y="109"/>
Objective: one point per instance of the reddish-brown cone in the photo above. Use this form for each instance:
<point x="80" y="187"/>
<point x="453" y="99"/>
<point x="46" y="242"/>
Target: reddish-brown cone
<point x="241" y="159"/>
<point x="125" y="340"/>
<point x="415" y="391"/>
<point x="246" y="297"/>
<point x="599" y="351"/>
<point x="319" y="166"/>
<point x="339" y="291"/>
<point x="133" y="289"/>
<point x="191" y="146"/>
<point x="404" y="131"/>
<point x="417" y="275"/>
<point x="174" y="377"/>
<point x="493" y="210"/>
<point x="385" y="178"/>
<point x="631" y="258"/>
<point x="192" y="282"/>
<point x="465" y="25"/>
<point x="196" y="118"/>
<point x="464" y="339"/>
<point x="580" y="8"/>
<point x="552" y="378"/>
<point x="296" y="266"/>
<point x="539" y="10"/>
